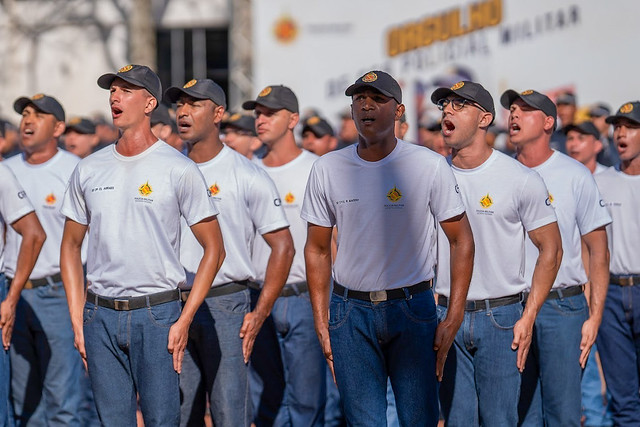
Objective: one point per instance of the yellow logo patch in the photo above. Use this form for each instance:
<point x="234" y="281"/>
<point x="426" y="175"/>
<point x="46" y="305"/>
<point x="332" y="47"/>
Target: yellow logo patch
<point x="214" y="189"/>
<point x="394" y="194"/>
<point x="526" y="92"/>
<point x="50" y="199"/>
<point x="75" y="121"/>
<point x="370" y="77"/>
<point x="37" y="96"/>
<point x="486" y="202"/>
<point x="289" y="198"/>
<point x="550" y="198"/>
<point x="125" y="68"/>
<point x="313" y="120"/>
<point x="145" y="189"/>
<point x="457" y="86"/>
<point x="189" y="83"/>
<point x="626" y="108"/>
<point x="266" y="91"/>
<point x="235" y="117"/>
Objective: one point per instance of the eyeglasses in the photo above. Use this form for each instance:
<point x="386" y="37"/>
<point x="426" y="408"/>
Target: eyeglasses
<point x="456" y="103"/>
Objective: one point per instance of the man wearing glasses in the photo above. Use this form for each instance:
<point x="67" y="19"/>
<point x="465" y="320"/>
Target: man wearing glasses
<point x="502" y="198"/>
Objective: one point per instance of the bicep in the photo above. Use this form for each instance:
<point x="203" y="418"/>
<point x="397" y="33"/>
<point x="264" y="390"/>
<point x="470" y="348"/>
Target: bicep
<point x="596" y="240"/>
<point x="207" y="232"/>
<point x="456" y="228"/>
<point x="278" y="238"/>
<point x="546" y="237"/>
<point x="319" y="238"/>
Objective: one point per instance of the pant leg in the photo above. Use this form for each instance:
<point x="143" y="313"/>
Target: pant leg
<point x="617" y="345"/>
<point x="6" y="417"/>
<point x="595" y="408"/>
<point x="109" y="365"/>
<point x="193" y="394"/>
<point x="392" y="411"/>
<point x="303" y="361"/>
<point x="530" y="401"/>
<point x="333" y="413"/>
<point x="152" y="365"/>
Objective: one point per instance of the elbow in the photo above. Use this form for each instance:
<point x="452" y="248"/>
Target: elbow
<point x="558" y="258"/>
<point x="289" y="252"/>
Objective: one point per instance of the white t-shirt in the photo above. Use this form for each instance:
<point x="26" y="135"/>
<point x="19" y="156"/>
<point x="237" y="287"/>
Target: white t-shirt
<point x="45" y="185"/>
<point x="14" y="204"/>
<point x="385" y="212"/>
<point x="291" y="181"/>
<point x="579" y="208"/>
<point x="504" y="200"/>
<point x="621" y="195"/>
<point x="133" y="207"/>
<point x="600" y="168"/>
<point x="248" y="202"/>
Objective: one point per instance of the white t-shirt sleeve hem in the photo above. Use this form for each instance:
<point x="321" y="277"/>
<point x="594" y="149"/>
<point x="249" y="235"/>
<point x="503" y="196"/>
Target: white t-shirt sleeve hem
<point x="273" y="227"/>
<point x="315" y="221"/>
<point x="19" y="214"/>
<point x="541" y="223"/>
<point x="71" y="215"/>
<point x="450" y="213"/>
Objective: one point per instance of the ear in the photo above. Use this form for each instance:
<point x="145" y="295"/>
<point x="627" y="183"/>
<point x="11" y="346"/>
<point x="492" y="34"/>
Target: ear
<point x="598" y="146"/>
<point x="94" y="141"/>
<point x="485" y="119"/>
<point x="59" y="129"/>
<point x="399" y="111"/>
<point x="549" y="123"/>
<point x="293" y="120"/>
<point x="333" y="143"/>
<point x="152" y="103"/>
<point x="218" y="114"/>
<point x="255" y="143"/>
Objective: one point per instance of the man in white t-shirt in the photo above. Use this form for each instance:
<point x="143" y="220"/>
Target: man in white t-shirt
<point x="567" y="325"/>
<point x="130" y="197"/>
<point x="619" y="336"/>
<point x="503" y="200"/>
<point x="384" y="196"/>
<point x="16" y="212"/>
<point x="223" y="331"/>
<point x="583" y="144"/>
<point x="302" y="366"/>
<point x="46" y="371"/>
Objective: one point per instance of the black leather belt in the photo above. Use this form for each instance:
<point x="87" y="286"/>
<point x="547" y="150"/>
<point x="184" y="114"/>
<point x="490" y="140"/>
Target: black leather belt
<point x="380" y="296"/>
<point x="571" y="291"/>
<point x="221" y="290"/>
<point x="134" y="303"/>
<point x="625" y="279"/>
<point x="288" y="290"/>
<point x="36" y="283"/>
<point x="484" y="304"/>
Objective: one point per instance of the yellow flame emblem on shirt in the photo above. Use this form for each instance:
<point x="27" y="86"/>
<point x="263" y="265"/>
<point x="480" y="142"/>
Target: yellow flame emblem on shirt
<point x="145" y="189"/>
<point x="486" y="202"/>
<point x="289" y="198"/>
<point x="50" y="199"/>
<point x="394" y="194"/>
<point x="214" y="189"/>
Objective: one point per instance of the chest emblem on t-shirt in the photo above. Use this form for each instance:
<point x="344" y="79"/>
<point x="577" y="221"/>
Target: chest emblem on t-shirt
<point x="486" y="202"/>
<point x="145" y="189"/>
<point x="214" y="189"/>
<point x="394" y="194"/>
<point x="289" y="197"/>
<point x="549" y="200"/>
<point x="50" y="199"/>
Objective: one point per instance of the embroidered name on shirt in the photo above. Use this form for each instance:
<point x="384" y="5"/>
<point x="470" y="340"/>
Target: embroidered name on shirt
<point x="105" y="188"/>
<point x="341" y="202"/>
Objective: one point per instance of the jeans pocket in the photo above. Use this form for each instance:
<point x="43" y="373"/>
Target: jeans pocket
<point x="507" y="316"/>
<point x="89" y="313"/>
<point x="339" y="310"/>
<point x="571" y="305"/>
<point x="420" y="307"/>
<point x="166" y="314"/>
<point x="235" y="303"/>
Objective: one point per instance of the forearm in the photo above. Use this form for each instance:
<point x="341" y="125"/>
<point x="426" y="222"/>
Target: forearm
<point x="318" y="265"/>
<point x="544" y="274"/>
<point x="598" y="283"/>
<point x="27" y="257"/>
<point x="462" y="253"/>
<point x="207" y="269"/>
<point x="278" y="267"/>
<point x="73" y="280"/>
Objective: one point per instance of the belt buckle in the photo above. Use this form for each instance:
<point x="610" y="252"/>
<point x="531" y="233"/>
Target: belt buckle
<point x="378" y="296"/>
<point x="121" y="304"/>
<point x="628" y="281"/>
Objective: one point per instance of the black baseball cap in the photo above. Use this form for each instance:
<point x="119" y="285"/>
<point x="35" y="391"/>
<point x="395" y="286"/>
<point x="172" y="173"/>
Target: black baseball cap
<point x="599" y="110"/>
<point x="161" y="115"/>
<point x="319" y="126"/>
<point x="431" y="124"/>
<point x="139" y="75"/>
<point x="533" y="99"/>
<point x="467" y="90"/>
<point x="380" y="81"/>
<point x="586" y="128"/>
<point x="81" y="125"/>
<point x="275" y="97"/>
<point x="240" y="121"/>
<point x="45" y="103"/>
<point x="566" y="98"/>
<point x="199" y="89"/>
<point x="630" y="111"/>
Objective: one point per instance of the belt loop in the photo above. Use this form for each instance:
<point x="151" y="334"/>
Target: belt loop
<point x="407" y="295"/>
<point x="345" y="294"/>
<point x="294" y="286"/>
<point x="560" y="296"/>
<point x="487" y="305"/>
<point x="146" y="298"/>
<point x="50" y="280"/>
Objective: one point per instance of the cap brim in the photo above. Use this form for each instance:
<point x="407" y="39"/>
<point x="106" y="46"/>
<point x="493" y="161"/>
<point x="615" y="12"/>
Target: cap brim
<point x="251" y="105"/>
<point x="441" y="93"/>
<point x="616" y="117"/>
<point x="21" y="103"/>
<point x="509" y="96"/>
<point x="356" y="86"/>
<point x="106" y="80"/>
<point x="173" y="94"/>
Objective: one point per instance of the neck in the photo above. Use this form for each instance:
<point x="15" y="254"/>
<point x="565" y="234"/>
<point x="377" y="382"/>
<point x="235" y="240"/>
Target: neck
<point x="473" y="155"/>
<point x="42" y="156"/>
<point x="205" y="150"/>
<point x="591" y="165"/>
<point x="373" y="150"/>
<point x="136" y="140"/>
<point x="631" y="167"/>
<point x="534" y="153"/>
<point x="282" y="151"/>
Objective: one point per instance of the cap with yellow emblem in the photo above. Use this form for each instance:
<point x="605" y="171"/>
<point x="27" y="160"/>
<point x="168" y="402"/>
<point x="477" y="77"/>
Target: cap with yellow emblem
<point x="629" y="111"/>
<point x="319" y="126"/>
<point x="81" y="125"/>
<point x="239" y="121"/>
<point x="45" y="103"/>
<point x="533" y="99"/>
<point x="380" y="81"/>
<point x="139" y="75"/>
<point x="467" y="90"/>
<point x="198" y="89"/>
<point x="276" y="97"/>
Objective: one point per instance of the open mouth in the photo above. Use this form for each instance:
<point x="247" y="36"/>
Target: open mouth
<point x="514" y="129"/>
<point x="447" y="127"/>
<point x="27" y="132"/>
<point x="367" y="120"/>
<point x="183" y="126"/>
<point x="116" y="111"/>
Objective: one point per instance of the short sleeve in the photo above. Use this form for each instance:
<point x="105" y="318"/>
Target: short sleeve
<point x="316" y="209"/>
<point x="265" y="206"/>
<point x="591" y="212"/>
<point x="194" y="198"/>
<point x="74" y="205"/>
<point x="534" y="206"/>
<point x="14" y="203"/>
<point x="445" y="200"/>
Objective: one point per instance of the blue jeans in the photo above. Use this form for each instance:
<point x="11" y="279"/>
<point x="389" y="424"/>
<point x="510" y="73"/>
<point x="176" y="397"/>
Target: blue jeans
<point x="619" y="348"/>
<point x="333" y="414"/>
<point x="551" y="392"/>
<point x="127" y="354"/>
<point x="46" y="369"/>
<point x="5" y="371"/>
<point x="481" y="381"/>
<point x="303" y="365"/>
<point x="375" y="341"/>
<point x="595" y="407"/>
<point x="213" y="364"/>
